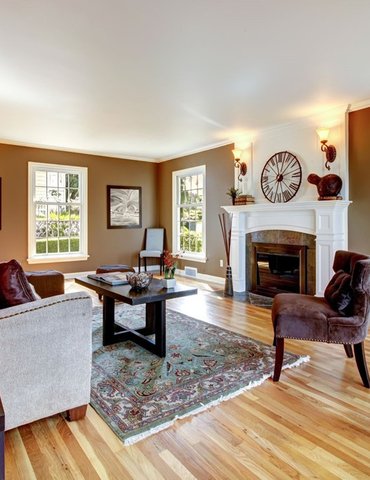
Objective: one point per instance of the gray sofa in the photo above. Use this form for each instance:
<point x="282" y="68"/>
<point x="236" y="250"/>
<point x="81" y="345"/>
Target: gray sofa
<point x="45" y="358"/>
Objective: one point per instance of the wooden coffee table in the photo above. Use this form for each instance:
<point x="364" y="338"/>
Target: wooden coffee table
<point x="154" y="299"/>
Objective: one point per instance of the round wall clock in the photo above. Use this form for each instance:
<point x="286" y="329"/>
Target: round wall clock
<point x="281" y="177"/>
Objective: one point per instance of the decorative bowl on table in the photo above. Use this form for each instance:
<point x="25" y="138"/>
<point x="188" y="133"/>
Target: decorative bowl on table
<point x="139" y="281"/>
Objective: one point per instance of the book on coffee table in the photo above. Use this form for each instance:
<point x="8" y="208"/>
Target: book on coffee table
<point x="115" y="278"/>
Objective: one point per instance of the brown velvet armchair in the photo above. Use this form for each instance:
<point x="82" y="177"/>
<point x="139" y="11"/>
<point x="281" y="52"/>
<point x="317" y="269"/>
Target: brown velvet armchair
<point x="342" y="316"/>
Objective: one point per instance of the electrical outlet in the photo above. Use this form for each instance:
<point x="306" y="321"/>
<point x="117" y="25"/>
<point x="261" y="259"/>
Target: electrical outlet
<point x="221" y="263"/>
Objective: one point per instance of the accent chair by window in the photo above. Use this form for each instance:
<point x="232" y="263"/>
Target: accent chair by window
<point x="154" y="247"/>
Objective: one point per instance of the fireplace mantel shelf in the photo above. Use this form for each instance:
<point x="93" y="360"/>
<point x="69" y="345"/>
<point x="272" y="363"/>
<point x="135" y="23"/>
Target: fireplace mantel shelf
<point x="262" y="207"/>
<point x="327" y="220"/>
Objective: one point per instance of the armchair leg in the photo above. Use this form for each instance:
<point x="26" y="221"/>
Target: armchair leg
<point x="279" y="355"/>
<point x="76" y="413"/>
<point x="361" y="363"/>
<point x="348" y="350"/>
<point x="139" y="262"/>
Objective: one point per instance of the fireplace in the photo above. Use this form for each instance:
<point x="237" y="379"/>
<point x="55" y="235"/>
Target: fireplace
<point x="278" y="268"/>
<point x="326" y="221"/>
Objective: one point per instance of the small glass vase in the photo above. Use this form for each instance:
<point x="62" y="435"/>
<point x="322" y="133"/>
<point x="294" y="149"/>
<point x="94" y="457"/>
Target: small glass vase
<point x="169" y="273"/>
<point x="169" y="280"/>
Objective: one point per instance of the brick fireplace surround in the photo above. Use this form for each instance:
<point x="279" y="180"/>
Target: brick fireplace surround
<point x="327" y="220"/>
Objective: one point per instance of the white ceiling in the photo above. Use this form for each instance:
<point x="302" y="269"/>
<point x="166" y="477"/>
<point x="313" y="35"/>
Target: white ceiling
<point x="153" y="79"/>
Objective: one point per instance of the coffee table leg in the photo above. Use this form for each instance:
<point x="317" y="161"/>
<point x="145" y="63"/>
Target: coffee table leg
<point x="156" y="323"/>
<point x="108" y="320"/>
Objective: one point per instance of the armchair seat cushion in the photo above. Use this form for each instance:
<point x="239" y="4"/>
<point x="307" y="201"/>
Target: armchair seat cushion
<point x="301" y="316"/>
<point x="150" y="253"/>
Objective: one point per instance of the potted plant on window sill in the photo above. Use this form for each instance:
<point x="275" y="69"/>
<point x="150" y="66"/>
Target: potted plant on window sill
<point x="170" y="264"/>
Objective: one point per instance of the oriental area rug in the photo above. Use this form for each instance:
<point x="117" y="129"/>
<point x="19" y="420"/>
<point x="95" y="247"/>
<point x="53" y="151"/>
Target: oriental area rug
<point x="138" y="393"/>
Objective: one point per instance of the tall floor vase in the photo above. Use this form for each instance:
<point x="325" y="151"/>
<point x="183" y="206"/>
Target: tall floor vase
<point x="229" y="291"/>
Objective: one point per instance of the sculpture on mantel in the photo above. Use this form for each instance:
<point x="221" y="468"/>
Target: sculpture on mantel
<point x="328" y="186"/>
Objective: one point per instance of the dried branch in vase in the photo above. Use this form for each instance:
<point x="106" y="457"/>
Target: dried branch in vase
<point x="226" y="223"/>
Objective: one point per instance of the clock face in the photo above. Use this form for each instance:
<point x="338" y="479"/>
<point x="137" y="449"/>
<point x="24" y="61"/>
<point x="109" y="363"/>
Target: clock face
<point x="281" y="177"/>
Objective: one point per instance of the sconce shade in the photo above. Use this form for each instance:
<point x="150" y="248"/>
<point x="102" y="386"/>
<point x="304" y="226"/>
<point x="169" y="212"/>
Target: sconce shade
<point x="323" y="134"/>
<point x="237" y="153"/>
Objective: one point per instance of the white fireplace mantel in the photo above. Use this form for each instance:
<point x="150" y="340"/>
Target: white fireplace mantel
<point x="325" y="219"/>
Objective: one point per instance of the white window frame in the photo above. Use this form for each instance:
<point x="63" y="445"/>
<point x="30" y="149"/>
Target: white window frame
<point x="176" y="175"/>
<point x="34" y="257"/>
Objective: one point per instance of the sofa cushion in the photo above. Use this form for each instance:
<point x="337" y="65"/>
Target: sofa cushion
<point x="338" y="292"/>
<point x="14" y="287"/>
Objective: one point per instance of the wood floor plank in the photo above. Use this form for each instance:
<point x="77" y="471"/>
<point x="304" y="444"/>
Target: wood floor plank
<point x="313" y="424"/>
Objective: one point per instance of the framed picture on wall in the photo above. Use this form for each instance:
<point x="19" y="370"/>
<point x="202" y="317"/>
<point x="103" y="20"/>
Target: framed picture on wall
<point x="123" y="207"/>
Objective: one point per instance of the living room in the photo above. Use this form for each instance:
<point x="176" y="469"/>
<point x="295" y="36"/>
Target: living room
<point x="313" y="423"/>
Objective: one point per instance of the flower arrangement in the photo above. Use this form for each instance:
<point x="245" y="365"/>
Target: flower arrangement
<point x="170" y="264"/>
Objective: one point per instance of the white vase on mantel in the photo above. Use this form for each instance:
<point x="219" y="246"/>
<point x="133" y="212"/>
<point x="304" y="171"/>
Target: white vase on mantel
<point x="169" y="282"/>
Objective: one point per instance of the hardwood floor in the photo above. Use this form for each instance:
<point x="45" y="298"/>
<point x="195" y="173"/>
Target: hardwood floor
<point x="314" y="423"/>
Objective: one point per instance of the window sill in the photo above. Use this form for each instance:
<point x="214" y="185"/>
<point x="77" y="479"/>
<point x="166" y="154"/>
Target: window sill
<point x="57" y="258"/>
<point x="193" y="258"/>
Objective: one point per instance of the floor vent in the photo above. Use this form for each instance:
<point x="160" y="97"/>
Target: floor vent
<point x="191" y="271"/>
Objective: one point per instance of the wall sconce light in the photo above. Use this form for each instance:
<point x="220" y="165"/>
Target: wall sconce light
<point x="242" y="166"/>
<point x="330" y="150"/>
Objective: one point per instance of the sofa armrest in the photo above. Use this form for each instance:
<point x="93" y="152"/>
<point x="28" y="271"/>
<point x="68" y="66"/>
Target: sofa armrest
<point x="45" y="354"/>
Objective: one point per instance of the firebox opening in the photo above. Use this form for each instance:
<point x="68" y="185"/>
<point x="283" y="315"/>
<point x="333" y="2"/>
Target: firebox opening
<point x="279" y="269"/>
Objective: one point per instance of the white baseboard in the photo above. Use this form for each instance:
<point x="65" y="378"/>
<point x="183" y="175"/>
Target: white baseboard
<point x="203" y="277"/>
<point x="71" y="276"/>
<point x="154" y="268"/>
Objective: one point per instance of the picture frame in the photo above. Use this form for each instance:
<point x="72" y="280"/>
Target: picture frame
<point x="124" y="206"/>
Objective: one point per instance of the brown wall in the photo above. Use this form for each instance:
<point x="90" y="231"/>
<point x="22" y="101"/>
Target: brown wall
<point x="219" y="178"/>
<point x="359" y="181"/>
<point x="105" y="246"/>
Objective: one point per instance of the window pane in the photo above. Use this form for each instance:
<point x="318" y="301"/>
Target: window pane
<point x="41" y="212"/>
<point x="40" y="194"/>
<point x="75" y="213"/>
<point x="52" y="195"/>
<point x="64" y="213"/>
<point x="52" y="179"/>
<point x="73" y="195"/>
<point x="41" y="228"/>
<point x="73" y="180"/>
<point x="63" y="229"/>
<point x="40" y="179"/>
<point x="52" y="229"/>
<point x="63" y="245"/>
<point x="75" y="245"/>
<point x="53" y="212"/>
<point x="62" y="179"/>
<point x="52" y="246"/>
<point x="41" y="246"/>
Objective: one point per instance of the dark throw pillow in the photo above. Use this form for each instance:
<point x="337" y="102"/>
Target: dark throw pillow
<point x="339" y="293"/>
<point x="14" y="286"/>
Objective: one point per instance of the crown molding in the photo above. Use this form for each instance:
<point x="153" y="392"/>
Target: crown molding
<point x="196" y="150"/>
<point x="352" y="107"/>
<point x="76" y="150"/>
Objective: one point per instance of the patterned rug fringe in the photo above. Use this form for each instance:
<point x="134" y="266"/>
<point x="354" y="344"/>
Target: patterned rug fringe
<point x="163" y="426"/>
